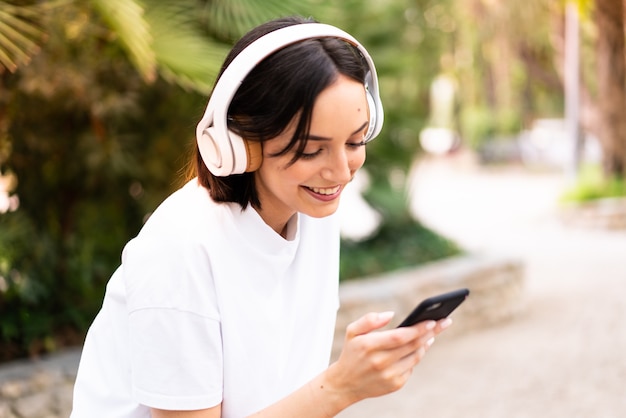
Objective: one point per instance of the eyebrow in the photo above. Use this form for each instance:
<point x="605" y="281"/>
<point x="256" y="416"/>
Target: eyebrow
<point x="324" y="138"/>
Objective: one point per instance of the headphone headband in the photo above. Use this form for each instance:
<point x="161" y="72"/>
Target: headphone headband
<point x="221" y="161"/>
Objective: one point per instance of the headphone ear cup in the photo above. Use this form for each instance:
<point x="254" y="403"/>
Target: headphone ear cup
<point x="231" y="155"/>
<point x="239" y="155"/>
<point x="212" y="152"/>
<point x="254" y="152"/>
<point x="372" y="113"/>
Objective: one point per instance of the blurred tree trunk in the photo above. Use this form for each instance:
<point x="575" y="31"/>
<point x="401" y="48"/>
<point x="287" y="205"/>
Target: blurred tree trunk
<point x="611" y="61"/>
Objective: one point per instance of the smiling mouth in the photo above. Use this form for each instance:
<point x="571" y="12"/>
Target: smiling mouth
<point x="325" y="191"/>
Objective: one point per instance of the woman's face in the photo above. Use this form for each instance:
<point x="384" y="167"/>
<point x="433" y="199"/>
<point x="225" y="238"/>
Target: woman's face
<point x="334" y="152"/>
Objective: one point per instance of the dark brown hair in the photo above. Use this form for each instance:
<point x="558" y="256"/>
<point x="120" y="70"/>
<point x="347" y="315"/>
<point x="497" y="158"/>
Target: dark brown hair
<point x="282" y="86"/>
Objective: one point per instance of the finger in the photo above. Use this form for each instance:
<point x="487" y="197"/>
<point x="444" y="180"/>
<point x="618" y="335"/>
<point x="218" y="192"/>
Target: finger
<point x="412" y="358"/>
<point x="397" y="337"/>
<point x="426" y="326"/>
<point x="442" y="325"/>
<point x="422" y="342"/>
<point x="407" y="357"/>
<point x="428" y="337"/>
<point x="403" y="377"/>
<point x="368" y="323"/>
<point x="403" y="368"/>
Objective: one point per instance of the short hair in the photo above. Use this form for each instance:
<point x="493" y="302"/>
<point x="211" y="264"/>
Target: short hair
<point x="280" y="88"/>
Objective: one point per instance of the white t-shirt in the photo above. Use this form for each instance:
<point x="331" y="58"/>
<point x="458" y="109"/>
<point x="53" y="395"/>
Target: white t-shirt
<point x="210" y="305"/>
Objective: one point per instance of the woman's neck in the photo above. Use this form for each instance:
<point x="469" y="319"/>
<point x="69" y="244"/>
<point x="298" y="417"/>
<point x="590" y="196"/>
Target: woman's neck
<point x="276" y="219"/>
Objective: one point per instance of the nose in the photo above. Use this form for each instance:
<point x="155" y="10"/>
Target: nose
<point x="338" y="168"/>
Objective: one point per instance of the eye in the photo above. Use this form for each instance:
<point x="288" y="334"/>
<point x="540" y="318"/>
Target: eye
<point x="356" y="145"/>
<point x="310" y="155"/>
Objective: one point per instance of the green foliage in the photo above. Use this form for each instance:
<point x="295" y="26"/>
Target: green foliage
<point x="228" y="20"/>
<point x="126" y="18"/>
<point x="592" y="184"/>
<point x="20" y="32"/>
<point x="185" y="41"/>
<point x="400" y="241"/>
<point x="186" y="56"/>
<point x="32" y="308"/>
<point x="93" y="148"/>
<point x="397" y="245"/>
<point x="504" y="59"/>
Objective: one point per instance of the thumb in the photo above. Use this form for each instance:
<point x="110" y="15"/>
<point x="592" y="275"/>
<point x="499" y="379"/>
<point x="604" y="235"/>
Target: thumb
<point x="368" y="323"/>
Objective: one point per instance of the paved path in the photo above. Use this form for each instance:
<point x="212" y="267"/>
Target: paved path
<point x="566" y="355"/>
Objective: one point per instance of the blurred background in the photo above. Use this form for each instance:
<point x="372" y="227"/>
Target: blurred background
<point x="99" y="100"/>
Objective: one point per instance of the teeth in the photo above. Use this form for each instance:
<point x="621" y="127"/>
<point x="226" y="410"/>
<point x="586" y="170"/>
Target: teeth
<point x="325" y="191"/>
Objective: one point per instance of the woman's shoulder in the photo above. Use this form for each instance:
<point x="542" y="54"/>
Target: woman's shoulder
<point x="167" y="264"/>
<point x="185" y="212"/>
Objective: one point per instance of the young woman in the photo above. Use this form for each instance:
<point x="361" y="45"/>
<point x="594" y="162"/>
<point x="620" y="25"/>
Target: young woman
<point x="225" y="303"/>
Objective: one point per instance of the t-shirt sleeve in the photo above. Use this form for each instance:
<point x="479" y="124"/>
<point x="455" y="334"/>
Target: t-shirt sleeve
<point x="174" y="324"/>
<point x="176" y="359"/>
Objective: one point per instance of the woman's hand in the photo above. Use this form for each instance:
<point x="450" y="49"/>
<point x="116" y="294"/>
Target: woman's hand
<point x="376" y="363"/>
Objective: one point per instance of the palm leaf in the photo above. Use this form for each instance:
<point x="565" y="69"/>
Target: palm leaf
<point x="230" y="19"/>
<point x="126" y="19"/>
<point x="184" y="55"/>
<point x="20" y="35"/>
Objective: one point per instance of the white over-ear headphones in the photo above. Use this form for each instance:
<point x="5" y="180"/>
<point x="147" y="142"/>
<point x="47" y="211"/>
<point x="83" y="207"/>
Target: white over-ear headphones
<point x="226" y="153"/>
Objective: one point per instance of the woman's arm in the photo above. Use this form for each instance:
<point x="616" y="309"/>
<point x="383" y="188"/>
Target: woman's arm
<point x="371" y="364"/>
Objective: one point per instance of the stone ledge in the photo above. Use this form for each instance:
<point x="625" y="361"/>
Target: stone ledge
<point x="496" y="285"/>
<point x="39" y="388"/>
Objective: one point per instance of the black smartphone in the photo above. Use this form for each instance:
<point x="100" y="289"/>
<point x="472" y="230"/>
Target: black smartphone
<point x="436" y="307"/>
